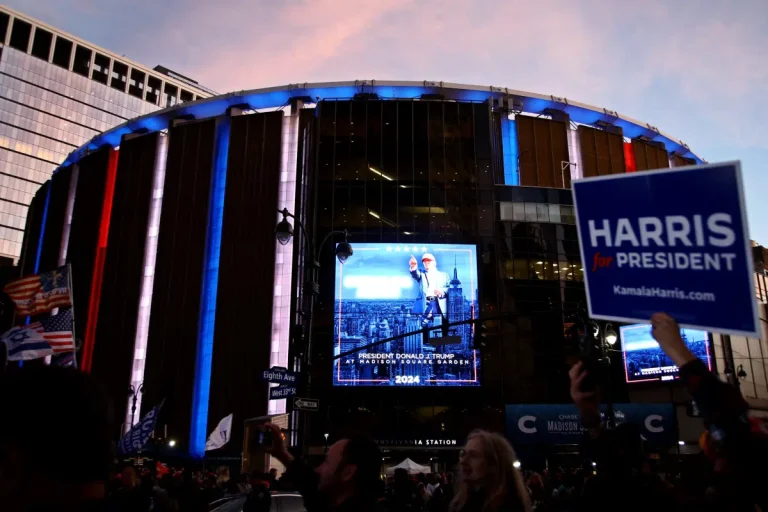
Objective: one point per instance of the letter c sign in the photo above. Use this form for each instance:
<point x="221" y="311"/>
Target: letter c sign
<point x="523" y="422"/>
<point x="649" y="425"/>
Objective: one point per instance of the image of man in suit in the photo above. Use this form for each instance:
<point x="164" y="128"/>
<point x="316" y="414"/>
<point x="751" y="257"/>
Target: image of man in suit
<point x="433" y="289"/>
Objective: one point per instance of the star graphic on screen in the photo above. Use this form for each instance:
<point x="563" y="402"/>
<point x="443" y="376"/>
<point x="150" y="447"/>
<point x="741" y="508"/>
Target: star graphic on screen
<point x="423" y="249"/>
<point x="397" y="249"/>
<point x="389" y="249"/>
<point x="406" y="249"/>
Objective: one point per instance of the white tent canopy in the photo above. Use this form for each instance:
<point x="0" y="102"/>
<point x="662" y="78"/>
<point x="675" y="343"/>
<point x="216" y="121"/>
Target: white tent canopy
<point x="411" y="467"/>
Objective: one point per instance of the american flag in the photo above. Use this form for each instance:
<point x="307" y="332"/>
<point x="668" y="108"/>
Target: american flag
<point x="41" y="292"/>
<point x="39" y="339"/>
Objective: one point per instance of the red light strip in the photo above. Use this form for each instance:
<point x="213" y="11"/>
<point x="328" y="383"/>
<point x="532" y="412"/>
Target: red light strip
<point x="629" y="157"/>
<point x="98" y="266"/>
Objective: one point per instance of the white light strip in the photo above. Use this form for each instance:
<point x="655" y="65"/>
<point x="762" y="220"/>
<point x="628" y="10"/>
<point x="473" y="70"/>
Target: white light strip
<point x="64" y="246"/>
<point x="148" y="279"/>
<point x="574" y="150"/>
<point x="281" y="306"/>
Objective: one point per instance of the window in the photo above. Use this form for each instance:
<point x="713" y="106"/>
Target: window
<point x="61" y="52"/>
<point x="170" y="95"/>
<point x="153" y="90"/>
<point x="136" y="85"/>
<point x="20" y="35"/>
<point x="536" y="212"/>
<point x="119" y="75"/>
<point x="185" y="96"/>
<point x="82" y="64"/>
<point x="4" y="20"/>
<point x="41" y="45"/>
<point x="100" y="68"/>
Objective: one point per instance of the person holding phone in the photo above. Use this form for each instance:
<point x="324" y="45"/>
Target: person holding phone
<point x="346" y="481"/>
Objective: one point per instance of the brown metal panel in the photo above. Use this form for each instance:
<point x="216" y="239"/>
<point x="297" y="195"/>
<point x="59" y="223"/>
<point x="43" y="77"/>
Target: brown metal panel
<point x="559" y="135"/>
<point x="588" y="151"/>
<point x="544" y="163"/>
<point x="57" y="213"/>
<point x="84" y="232"/>
<point x="124" y="268"/>
<point x="527" y="151"/>
<point x="243" y="331"/>
<point x="173" y="328"/>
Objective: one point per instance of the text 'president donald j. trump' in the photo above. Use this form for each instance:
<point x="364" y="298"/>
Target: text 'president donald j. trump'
<point x="433" y="287"/>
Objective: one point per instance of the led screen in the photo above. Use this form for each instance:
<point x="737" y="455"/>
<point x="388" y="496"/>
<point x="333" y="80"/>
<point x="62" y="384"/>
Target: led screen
<point x="645" y="361"/>
<point x="387" y="290"/>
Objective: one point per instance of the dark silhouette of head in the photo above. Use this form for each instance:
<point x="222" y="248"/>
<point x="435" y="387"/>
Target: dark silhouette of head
<point x="55" y="446"/>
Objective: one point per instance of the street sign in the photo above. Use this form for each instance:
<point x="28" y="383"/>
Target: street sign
<point x="282" y="391"/>
<point x="306" y="404"/>
<point x="670" y="240"/>
<point x="279" y="375"/>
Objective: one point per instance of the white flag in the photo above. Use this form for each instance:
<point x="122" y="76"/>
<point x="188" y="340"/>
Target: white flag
<point x="220" y="435"/>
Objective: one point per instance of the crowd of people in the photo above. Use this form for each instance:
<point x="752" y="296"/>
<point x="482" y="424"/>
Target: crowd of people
<point x="50" y="464"/>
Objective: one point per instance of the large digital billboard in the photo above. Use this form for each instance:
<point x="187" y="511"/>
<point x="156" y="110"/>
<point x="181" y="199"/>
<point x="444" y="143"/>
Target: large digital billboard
<point x="388" y="290"/>
<point x="645" y="361"/>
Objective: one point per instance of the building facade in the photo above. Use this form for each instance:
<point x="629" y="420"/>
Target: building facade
<point x="181" y="286"/>
<point x="56" y="93"/>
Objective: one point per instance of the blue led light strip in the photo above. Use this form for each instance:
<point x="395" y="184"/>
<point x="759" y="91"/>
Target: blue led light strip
<point x="199" y="420"/>
<point x="510" y="150"/>
<point x="28" y="319"/>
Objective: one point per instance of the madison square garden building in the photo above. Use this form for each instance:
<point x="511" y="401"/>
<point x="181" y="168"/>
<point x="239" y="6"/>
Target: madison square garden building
<point x="168" y="222"/>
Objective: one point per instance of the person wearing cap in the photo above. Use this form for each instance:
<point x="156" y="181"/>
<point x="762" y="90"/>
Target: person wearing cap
<point x="433" y="288"/>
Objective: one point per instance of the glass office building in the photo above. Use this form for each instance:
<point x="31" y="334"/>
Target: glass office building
<point x="56" y="93"/>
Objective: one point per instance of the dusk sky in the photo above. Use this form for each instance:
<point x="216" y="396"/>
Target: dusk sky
<point x="696" y="69"/>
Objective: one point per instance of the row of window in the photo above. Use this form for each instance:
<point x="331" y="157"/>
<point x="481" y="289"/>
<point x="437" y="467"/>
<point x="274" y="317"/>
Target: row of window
<point x="32" y="137"/>
<point x="77" y="58"/>
<point x="12" y="221"/>
<point x="59" y="106"/>
<point x="536" y="212"/>
<point x="10" y="249"/>
<point x="12" y="208"/>
<point x="73" y="86"/>
<point x="549" y="270"/>
<point x="25" y="167"/>
<point x="12" y="235"/>
<point x="44" y="124"/>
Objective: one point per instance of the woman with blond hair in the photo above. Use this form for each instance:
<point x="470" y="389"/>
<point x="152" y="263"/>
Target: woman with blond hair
<point x="488" y="478"/>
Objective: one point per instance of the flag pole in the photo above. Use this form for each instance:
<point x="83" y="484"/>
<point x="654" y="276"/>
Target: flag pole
<point x="72" y="302"/>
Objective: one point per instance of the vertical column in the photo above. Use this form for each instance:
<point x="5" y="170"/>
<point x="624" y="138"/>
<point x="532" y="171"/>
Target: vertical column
<point x="510" y="150"/>
<point x="64" y="246"/>
<point x="98" y="266"/>
<point x="148" y="279"/>
<point x="574" y="149"/>
<point x="281" y="307"/>
<point x="11" y="19"/>
<point x="31" y="38"/>
<point x="202" y="386"/>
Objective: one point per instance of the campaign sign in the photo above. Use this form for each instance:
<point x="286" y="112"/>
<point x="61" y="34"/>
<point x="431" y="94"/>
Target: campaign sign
<point x="670" y="240"/>
<point x="561" y="423"/>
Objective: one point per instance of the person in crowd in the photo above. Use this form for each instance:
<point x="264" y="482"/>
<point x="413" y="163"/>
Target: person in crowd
<point x="129" y="496"/>
<point x="402" y="494"/>
<point x="488" y="478"/>
<point x="243" y="485"/>
<point x="733" y="442"/>
<point x="448" y="488"/>
<point x="433" y="482"/>
<point x="346" y="481"/>
<point x="424" y="496"/>
<point x="55" y="443"/>
<point x="535" y="485"/>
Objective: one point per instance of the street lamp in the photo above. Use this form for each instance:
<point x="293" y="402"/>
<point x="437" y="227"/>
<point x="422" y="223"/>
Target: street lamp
<point x="610" y="335"/>
<point x="283" y="234"/>
<point x="134" y="393"/>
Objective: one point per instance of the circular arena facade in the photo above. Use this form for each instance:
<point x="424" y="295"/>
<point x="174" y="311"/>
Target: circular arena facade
<point x="168" y="223"/>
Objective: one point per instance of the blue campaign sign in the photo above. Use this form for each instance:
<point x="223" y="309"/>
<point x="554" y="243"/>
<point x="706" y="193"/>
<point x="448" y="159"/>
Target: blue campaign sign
<point x="671" y="240"/>
<point x="561" y="424"/>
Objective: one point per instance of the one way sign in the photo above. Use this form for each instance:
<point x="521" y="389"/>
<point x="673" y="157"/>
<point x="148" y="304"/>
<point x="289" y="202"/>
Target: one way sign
<point x="306" y="404"/>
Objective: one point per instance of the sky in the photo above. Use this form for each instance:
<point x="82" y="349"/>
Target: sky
<point x="696" y="69"/>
